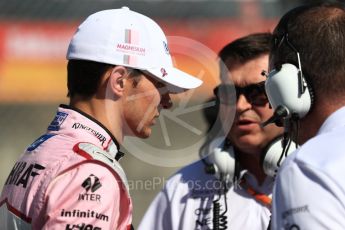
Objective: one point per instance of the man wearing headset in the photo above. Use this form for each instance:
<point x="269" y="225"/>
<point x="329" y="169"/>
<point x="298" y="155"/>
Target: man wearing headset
<point x="204" y="195"/>
<point x="307" y="87"/>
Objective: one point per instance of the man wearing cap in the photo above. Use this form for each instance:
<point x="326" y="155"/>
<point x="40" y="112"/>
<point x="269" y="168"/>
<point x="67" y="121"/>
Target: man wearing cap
<point x="120" y="75"/>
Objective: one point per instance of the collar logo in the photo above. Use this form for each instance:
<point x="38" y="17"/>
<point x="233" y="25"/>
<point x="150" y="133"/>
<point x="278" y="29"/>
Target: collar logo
<point x="60" y="117"/>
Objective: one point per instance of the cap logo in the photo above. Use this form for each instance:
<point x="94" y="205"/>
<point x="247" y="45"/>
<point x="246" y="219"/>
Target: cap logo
<point x="131" y="47"/>
<point x="131" y="37"/>
<point x="166" y="48"/>
<point x="164" y="72"/>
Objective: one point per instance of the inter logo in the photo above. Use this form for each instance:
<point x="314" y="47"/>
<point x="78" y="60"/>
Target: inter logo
<point x="91" y="184"/>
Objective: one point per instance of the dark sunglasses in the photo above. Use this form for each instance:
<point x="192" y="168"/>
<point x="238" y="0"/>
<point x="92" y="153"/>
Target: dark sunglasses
<point x="254" y="93"/>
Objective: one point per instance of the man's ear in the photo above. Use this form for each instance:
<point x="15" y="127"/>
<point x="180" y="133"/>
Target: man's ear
<point x="117" y="79"/>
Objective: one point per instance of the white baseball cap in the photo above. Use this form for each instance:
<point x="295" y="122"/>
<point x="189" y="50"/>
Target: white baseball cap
<point x="127" y="38"/>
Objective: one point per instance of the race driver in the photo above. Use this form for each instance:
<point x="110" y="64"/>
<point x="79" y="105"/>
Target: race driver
<point x="120" y="75"/>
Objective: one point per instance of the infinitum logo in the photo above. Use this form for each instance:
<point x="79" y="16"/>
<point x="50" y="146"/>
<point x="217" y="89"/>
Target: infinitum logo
<point x="92" y="183"/>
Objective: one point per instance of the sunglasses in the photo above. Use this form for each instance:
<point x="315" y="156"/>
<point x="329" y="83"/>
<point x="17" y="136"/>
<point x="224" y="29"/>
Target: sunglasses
<point x="254" y="93"/>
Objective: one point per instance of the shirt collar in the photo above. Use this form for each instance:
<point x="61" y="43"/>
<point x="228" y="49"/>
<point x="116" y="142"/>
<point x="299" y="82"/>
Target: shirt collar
<point x="336" y="119"/>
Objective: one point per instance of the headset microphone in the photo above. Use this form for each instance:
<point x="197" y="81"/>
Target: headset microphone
<point x="279" y="114"/>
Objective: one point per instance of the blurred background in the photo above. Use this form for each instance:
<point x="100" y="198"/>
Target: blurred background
<point x="34" y="35"/>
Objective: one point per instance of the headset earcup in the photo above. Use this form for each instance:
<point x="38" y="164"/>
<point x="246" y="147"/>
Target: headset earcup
<point x="270" y="156"/>
<point x="282" y="89"/>
<point x="224" y="163"/>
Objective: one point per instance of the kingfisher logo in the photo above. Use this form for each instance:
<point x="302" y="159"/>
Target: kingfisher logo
<point x="97" y="134"/>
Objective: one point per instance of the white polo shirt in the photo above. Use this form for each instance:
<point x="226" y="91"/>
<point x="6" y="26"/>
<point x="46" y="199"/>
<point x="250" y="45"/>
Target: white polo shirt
<point x="186" y="202"/>
<point x="310" y="187"/>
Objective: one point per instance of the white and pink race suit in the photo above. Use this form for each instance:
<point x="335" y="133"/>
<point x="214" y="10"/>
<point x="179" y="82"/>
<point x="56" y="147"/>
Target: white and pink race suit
<point x="69" y="178"/>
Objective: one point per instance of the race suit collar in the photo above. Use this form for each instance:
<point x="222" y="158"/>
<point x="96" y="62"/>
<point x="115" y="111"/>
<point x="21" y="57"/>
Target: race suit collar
<point x="74" y="122"/>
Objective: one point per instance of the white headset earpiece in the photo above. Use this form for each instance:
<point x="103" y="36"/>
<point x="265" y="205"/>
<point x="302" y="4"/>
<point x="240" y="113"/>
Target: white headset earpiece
<point x="224" y="163"/>
<point x="273" y="156"/>
<point x="287" y="89"/>
<point x="283" y="88"/>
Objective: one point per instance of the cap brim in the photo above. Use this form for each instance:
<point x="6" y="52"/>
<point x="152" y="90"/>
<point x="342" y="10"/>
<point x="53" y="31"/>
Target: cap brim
<point x="176" y="80"/>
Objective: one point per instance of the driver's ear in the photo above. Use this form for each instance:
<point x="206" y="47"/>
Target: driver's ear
<point x="117" y="80"/>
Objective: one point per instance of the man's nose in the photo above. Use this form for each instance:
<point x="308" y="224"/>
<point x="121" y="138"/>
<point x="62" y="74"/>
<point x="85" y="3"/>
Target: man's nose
<point x="242" y="103"/>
